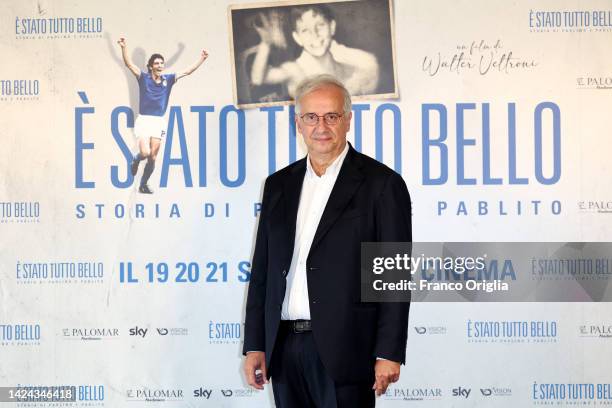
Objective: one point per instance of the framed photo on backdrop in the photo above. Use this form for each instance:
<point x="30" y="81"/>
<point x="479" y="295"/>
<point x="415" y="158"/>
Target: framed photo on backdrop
<point x="276" y="45"/>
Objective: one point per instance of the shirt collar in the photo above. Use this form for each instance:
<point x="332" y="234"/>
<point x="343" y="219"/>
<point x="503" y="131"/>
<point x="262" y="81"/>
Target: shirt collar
<point x="333" y="168"/>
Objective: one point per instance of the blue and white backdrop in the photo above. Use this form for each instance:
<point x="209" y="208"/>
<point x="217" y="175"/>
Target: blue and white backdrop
<point x="501" y="130"/>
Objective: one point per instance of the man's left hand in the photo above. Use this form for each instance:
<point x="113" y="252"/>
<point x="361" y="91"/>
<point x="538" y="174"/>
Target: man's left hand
<point x="386" y="372"/>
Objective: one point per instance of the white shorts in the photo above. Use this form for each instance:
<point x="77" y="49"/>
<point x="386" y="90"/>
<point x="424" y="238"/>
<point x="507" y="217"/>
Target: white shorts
<point x="150" y="126"/>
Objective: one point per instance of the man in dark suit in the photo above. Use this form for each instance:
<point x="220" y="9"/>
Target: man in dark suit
<point x="305" y="324"/>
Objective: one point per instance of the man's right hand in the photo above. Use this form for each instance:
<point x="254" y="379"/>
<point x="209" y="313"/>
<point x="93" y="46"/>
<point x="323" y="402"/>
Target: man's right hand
<point x="255" y="369"/>
<point x="270" y="29"/>
<point x="122" y="42"/>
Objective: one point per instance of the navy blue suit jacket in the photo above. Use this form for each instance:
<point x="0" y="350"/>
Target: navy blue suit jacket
<point x="368" y="203"/>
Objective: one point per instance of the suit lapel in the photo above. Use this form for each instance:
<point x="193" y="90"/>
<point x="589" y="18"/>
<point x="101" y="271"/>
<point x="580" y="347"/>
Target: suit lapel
<point x="291" y="190"/>
<point x="349" y="179"/>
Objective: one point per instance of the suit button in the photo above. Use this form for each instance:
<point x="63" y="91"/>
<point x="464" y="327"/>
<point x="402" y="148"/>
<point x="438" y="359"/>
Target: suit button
<point x="284" y="273"/>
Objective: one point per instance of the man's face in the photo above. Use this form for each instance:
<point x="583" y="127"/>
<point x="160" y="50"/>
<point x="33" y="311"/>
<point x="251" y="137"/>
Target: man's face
<point x="323" y="139"/>
<point x="158" y="66"/>
<point x="314" y="33"/>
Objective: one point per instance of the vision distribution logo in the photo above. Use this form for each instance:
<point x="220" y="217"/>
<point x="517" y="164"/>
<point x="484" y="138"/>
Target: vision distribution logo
<point x="430" y="330"/>
<point x="496" y="392"/>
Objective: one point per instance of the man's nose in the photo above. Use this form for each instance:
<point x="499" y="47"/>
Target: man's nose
<point x="321" y="125"/>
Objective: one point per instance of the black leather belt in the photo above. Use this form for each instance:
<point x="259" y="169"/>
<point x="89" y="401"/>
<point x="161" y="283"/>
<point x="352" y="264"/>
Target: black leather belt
<point x="297" y="326"/>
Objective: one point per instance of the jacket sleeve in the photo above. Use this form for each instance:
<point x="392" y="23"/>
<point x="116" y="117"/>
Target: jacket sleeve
<point x="393" y="223"/>
<point x="254" y="326"/>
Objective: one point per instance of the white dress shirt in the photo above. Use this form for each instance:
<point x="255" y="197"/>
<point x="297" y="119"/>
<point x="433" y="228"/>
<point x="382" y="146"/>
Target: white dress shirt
<point x="313" y="199"/>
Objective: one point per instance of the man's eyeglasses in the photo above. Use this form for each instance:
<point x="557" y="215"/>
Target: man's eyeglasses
<point x="331" y="118"/>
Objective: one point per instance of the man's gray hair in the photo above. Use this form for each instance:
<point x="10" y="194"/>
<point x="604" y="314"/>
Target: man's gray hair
<point x="315" y="82"/>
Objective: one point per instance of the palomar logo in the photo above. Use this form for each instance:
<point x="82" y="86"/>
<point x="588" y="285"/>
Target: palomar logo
<point x="154" y="395"/>
<point x="594" y="83"/>
<point x="600" y="331"/>
<point x="90" y="333"/>
<point x="413" y="394"/>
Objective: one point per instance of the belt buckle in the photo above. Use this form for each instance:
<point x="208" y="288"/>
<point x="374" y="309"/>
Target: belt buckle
<point x="296" y="327"/>
<point x="299" y="326"/>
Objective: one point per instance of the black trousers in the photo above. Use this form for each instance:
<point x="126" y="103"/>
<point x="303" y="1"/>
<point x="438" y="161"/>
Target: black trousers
<point x="299" y="379"/>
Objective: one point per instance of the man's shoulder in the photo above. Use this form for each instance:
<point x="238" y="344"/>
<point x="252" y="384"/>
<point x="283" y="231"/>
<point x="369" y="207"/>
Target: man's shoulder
<point x="373" y="168"/>
<point x="280" y="175"/>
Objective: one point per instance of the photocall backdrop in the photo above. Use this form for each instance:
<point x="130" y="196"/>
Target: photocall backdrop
<point x="501" y="130"/>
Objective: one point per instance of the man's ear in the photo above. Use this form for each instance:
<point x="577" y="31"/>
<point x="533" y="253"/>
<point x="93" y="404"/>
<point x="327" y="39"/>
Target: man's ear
<point x="298" y="125"/>
<point x="332" y="26"/>
<point x="297" y="39"/>
<point x="348" y="121"/>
